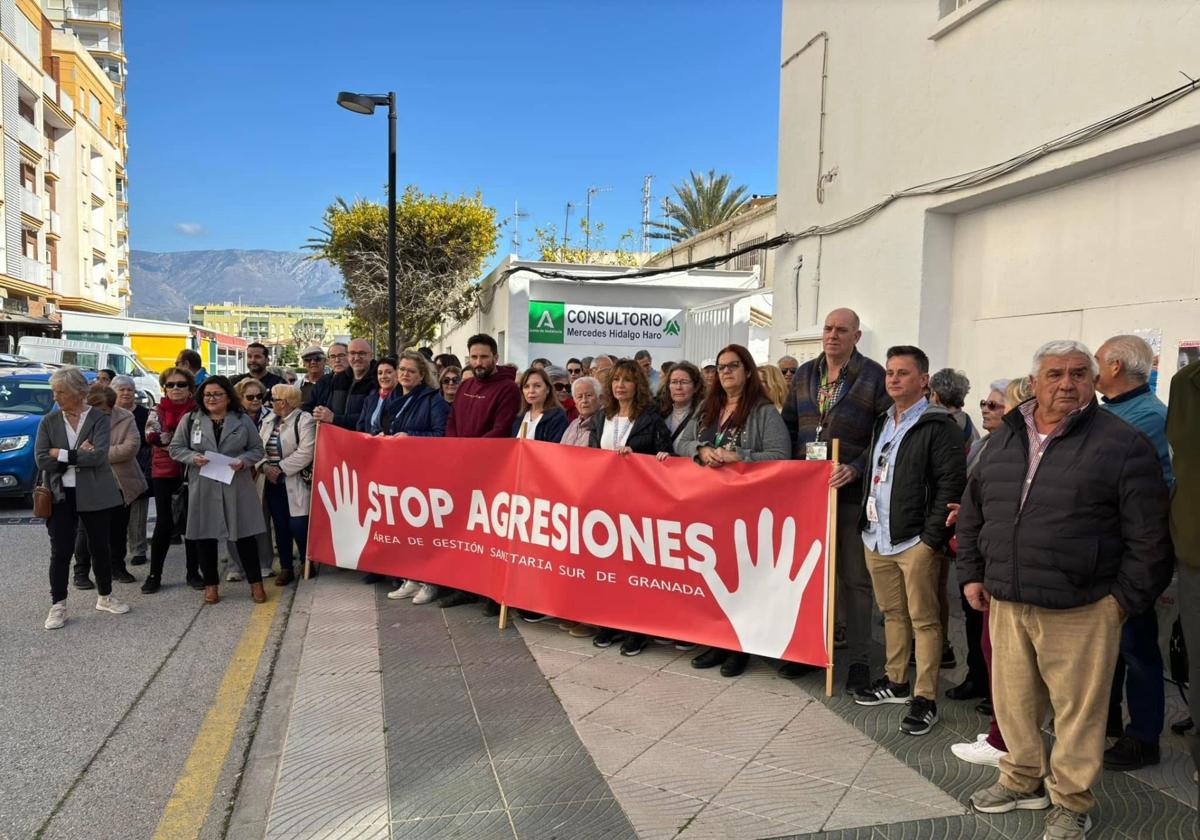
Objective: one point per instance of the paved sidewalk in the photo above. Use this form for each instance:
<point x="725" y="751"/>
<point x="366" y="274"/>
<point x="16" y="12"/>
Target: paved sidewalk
<point x="413" y="722"/>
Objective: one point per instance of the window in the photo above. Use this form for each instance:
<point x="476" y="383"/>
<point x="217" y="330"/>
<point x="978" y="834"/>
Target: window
<point x="94" y="109"/>
<point x="80" y="358"/>
<point x="29" y="39"/>
<point x="121" y="364"/>
<point x="747" y="261"/>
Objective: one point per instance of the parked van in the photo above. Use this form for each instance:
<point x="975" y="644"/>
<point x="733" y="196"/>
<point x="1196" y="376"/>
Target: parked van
<point x="92" y="355"/>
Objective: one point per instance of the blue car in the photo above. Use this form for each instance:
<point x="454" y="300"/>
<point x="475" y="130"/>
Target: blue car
<point x="25" y="398"/>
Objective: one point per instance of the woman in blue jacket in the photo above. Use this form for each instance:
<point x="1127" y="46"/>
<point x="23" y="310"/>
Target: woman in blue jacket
<point x="415" y="409"/>
<point x="543" y="418"/>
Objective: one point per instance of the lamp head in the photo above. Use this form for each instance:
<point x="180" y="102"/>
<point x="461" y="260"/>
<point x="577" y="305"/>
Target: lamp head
<point x="359" y="103"/>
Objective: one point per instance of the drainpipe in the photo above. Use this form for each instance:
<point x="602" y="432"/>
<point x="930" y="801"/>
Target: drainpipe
<point x="822" y="176"/>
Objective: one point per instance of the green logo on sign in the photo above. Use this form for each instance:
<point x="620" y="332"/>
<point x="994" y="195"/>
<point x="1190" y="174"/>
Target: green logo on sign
<point x="672" y="327"/>
<point x="546" y="321"/>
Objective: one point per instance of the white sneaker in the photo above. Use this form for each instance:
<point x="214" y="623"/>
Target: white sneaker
<point x="233" y="576"/>
<point x="979" y="752"/>
<point x="109" y="603"/>
<point x="428" y="593"/>
<point x="57" y="617"/>
<point x="407" y="590"/>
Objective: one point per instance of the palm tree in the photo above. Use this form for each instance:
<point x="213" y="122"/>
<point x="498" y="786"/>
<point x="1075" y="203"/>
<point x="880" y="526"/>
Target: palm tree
<point x="703" y="203"/>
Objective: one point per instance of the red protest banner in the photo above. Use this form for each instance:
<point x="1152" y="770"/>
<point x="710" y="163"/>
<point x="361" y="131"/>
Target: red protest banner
<point x="734" y="557"/>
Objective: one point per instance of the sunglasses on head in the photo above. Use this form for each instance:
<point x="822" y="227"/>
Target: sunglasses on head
<point x="990" y="405"/>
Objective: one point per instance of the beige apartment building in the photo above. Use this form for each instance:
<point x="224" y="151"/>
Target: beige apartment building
<point x="65" y="242"/>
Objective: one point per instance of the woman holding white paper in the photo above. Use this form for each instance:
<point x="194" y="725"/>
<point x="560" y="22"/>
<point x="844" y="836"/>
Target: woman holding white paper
<point x="218" y="510"/>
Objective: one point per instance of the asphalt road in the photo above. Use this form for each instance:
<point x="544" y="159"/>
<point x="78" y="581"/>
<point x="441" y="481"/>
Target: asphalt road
<point x="98" y="719"/>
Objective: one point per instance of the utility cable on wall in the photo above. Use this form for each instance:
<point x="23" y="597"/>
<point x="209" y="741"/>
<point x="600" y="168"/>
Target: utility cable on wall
<point x="954" y="183"/>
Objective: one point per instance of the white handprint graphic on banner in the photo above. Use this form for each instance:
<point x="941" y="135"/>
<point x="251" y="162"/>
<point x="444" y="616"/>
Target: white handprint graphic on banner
<point x="764" y="607"/>
<point x="350" y="534"/>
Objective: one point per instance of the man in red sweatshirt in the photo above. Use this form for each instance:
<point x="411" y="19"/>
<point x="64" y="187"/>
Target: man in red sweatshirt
<point x="485" y="406"/>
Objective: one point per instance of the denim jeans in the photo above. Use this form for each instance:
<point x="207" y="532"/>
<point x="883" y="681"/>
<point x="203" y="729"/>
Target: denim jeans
<point x="1139" y="675"/>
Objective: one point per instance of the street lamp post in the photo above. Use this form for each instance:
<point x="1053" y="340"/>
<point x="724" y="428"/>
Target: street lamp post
<point x="364" y="103"/>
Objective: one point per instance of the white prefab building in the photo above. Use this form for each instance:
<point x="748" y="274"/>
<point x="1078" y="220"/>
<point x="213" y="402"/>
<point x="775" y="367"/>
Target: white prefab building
<point x="678" y="315"/>
<point x="1101" y="238"/>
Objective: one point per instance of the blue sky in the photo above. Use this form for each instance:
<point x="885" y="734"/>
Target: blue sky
<point x="236" y="140"/>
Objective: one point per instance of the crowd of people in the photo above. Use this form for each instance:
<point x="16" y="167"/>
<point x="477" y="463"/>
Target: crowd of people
<point x="1057" y="517"/>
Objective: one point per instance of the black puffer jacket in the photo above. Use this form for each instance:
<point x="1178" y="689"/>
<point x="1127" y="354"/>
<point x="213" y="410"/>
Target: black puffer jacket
<point x="1094" y="522"/>
<point x="929" y="472"/>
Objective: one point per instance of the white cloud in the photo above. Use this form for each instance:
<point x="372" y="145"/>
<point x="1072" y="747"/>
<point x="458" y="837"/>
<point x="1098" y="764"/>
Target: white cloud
<point x="190" y="228"/>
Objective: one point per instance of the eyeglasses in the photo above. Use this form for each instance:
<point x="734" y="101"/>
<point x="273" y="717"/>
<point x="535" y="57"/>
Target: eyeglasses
<point x="789" y="371"/>
<point x="213" y="396"/>
<point x="561" y="386"/>
<point x="679" y="383"/>
<point x="990" y="405"/>
<point x="409" y="371"/>
<point x="574" y="370"/>
<point x="308" y="359"/>
<point x="728" y="367"/>
<point x="251" y="397"/>
<point x="883" y="451"/>
<point x="337" y="355"/>
<point x="359" y="353"/>
<point x="175" y="385"/>
<point x="451" y="380"/>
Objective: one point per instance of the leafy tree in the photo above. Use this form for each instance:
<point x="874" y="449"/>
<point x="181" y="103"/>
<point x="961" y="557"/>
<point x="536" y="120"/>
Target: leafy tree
<point x="702" y="202"/>
<point x="551" y="249"/>
<point x="441" y="246"/>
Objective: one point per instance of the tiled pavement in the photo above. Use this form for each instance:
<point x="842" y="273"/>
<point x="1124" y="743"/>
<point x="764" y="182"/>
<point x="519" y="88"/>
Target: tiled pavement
<point x="416" y="722"/>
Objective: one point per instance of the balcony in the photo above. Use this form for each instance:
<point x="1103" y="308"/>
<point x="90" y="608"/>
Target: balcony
<point x="98" y="186"/>
<point x="53" y="164"/>
<point x="66" y="103"/>
<point x="31" y="203"/>
<point x="92" y="14"/>
<point x="54" y="223"/>
<point x="28" y="134"/>
<point x="50" y="88"/>
<point x="98" y="241"/>
<point x="32" y="271"/>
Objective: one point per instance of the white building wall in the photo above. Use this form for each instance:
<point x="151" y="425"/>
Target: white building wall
<point x="1084" y="243"/>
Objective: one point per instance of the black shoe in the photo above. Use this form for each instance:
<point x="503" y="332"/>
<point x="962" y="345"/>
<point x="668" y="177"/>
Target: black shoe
<point x="858" y="678"/>
<point x="794" y="670"/>
<point x="123" y="576"/>
<point x="606" y="638"/>
<point x="734" y="664"/>
<point x="948" y="660"/>
<point x="533" y="617"/>
<point x="490" y="608"/>
<point x="150" y="584"/>
<point x="456" y="598"/>
<point x="84" y="583"/>
<point x="921" y="717"/>
<point x="635" y="644"/>
<point x="1130" y="754"/>
<point x="711" y="658"/>
<point x="196" y="582"/>
<point x="883" y="691"/>
<point x="968" y="689"/>
<point x="372" y="577"/>
<point x="138" y="560"/>
<point x="984" y="707"/>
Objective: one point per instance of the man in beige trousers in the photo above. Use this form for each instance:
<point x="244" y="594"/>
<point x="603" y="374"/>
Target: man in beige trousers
<point x="1063" y="531"/>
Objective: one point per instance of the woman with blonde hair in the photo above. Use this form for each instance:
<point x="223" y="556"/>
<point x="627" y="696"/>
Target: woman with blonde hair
<point x="289" y="440"/>
<point x="774" y="385"/>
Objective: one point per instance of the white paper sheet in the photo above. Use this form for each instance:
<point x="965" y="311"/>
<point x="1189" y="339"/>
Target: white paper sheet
<point x="219" y="467"/>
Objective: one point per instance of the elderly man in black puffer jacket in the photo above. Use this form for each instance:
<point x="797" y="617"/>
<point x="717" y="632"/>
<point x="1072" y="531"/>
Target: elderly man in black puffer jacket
<point x="1063" y="530"/>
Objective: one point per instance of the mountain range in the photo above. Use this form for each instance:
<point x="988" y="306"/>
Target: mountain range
<point x="165" y="284"/>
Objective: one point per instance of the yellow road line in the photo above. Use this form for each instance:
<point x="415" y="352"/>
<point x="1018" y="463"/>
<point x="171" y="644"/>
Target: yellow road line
<point x="193" y="793"/>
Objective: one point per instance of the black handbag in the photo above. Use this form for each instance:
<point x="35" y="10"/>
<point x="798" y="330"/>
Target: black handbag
<point x="179" y="506"/>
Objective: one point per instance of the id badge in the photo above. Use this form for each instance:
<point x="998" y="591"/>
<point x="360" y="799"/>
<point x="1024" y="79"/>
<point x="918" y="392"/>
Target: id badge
<point x="883" y="471"/>
<point x="816" y="451"/>
<point x="872" y="513"/>
<point x="197" y="435"/>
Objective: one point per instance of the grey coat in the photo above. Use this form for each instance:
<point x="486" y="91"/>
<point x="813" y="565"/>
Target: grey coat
<point x="95" y="486"/>
<point x="219" y="511"/>
<point x="765" y="437"/>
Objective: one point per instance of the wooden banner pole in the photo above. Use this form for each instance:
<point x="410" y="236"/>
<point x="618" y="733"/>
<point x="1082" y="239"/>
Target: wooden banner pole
<point x="831" y="576"/>
<point x="316" y="433"/>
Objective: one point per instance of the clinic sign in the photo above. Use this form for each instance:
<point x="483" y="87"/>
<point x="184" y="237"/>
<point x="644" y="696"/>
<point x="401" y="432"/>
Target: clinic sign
<point x="555" y="322"/>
